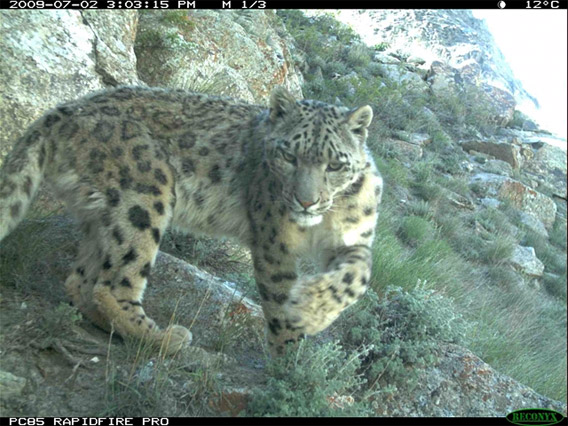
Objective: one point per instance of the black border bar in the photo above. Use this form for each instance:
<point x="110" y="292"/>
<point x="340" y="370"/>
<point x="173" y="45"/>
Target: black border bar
<point x="532" y="5"/>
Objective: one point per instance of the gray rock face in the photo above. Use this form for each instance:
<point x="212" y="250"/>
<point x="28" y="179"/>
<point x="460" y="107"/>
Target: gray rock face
<point x="51" y="56"/>
<point x="233" y="53"/>
<point x="524" y="259"/>
<point x="10" y="386"/>
<point x="548" y="167"/>
<point x="114" y="45"/>
<point x="463" y="385"/>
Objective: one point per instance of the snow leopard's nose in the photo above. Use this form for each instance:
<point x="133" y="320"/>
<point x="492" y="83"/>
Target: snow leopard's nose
<point x="306" y="203"/>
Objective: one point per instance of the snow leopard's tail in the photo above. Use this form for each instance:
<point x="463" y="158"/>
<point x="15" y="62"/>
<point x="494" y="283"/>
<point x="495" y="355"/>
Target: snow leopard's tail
<point x="20" y="176"/>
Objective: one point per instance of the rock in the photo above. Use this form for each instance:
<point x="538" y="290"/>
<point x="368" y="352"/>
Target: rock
<point x="403" y="150"/>
<point x="114" y="45"/>
<point x="402" y="75"/>
<point x="458" y="200"/>
<point x="441" y="78"/>
<point x="420" y="139"/>
<point x="490" y="203"/>
<point x="502" y="101"/>
<point x="463" y="385"/>
<point x="10" y="385"/>
<point x="233" y="53"/>
<point x="533" y="223"/>
<point x="417" y="60"/>
<point x="52" y="56"/>
<point x="383" y="58"/>
<point x="525" y="260"/>
<point x="548" y="167"/>
<point x="220" y="303"/>
<point x="521" y="196"/>
<point x="231" y="401"/>
<point x="497" y="167"/>
<point x="502" y="151"/>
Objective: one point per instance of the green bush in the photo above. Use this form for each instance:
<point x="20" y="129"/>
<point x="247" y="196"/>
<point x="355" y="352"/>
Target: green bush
<point x="382" y="46"/>
<point x="359" y="56"/>
<point x="428" y="191"/>
<point x="415" y="229"/>
<point x="495" y="221"/>
<point x="312" y="381"/>
<point x="502" y="275"/>
<point x="404" y="330"/>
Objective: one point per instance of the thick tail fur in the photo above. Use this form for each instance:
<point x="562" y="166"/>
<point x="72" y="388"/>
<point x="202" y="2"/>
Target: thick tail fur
<point x="20" y="176"/>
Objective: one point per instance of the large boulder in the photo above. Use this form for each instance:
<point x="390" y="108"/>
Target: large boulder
<point x="234" y="53"/>
<point x="548" y="167"/>
<point x="524" y="259"/>
<point x="520" y="195"/>
<point x="500" y="150"/>
<point x="57" y="55"/>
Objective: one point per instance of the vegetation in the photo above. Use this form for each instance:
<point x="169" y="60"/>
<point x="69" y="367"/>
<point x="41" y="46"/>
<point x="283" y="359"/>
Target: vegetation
<point x="463" y="254"/>
<point x="440" y="271"/>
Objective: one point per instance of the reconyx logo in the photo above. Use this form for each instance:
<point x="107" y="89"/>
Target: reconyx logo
<point x="535" y="416"/>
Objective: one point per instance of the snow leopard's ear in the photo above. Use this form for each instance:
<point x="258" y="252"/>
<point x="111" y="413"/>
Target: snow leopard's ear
<point x="282" y="103"/>
<point x="358" y="120"/>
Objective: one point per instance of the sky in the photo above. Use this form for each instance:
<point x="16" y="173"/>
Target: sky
<point x="534" y="44"/>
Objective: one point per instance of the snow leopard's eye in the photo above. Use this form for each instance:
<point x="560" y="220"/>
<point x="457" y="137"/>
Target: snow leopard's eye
<point x="334" y="167"/>
<point x="288" y="157"/>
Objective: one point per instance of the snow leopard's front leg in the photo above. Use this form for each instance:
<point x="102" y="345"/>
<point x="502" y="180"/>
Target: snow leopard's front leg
<point x="296" y="306"/>
<point x="346" y="259"/>
<point x="316" y="301"/>
<point x="276" y="274"/>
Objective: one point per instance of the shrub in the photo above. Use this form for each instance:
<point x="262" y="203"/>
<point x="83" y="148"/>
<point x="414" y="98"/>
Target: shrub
<point x="414" y="229"/>
<point x="503" y="276"/>
<point x="428" y="191"/>
<point x="382" y="46"/>
<point x="312" y="380"/>
<point x="554" y="259"/>
<point x="404" y="330"/>
<point x="358" y="56"/>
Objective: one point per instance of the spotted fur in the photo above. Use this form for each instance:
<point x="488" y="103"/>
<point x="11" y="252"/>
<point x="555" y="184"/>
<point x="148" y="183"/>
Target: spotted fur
<point x="290" y="182"/>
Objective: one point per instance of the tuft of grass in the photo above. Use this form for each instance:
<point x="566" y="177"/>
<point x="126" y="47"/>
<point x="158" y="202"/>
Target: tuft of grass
<point x="146" y="383"/>
<point x="558" y="233"/>
<point x="498" y="251"/>
<point x="179" y="18"/>
<point x="420" y="208"/>
<point x="358" y="56"/>
<point x="393" y="264"/>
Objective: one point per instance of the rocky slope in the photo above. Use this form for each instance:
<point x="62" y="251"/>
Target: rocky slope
<point x="51" y="56"/>
<point x="453" y="46"/>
